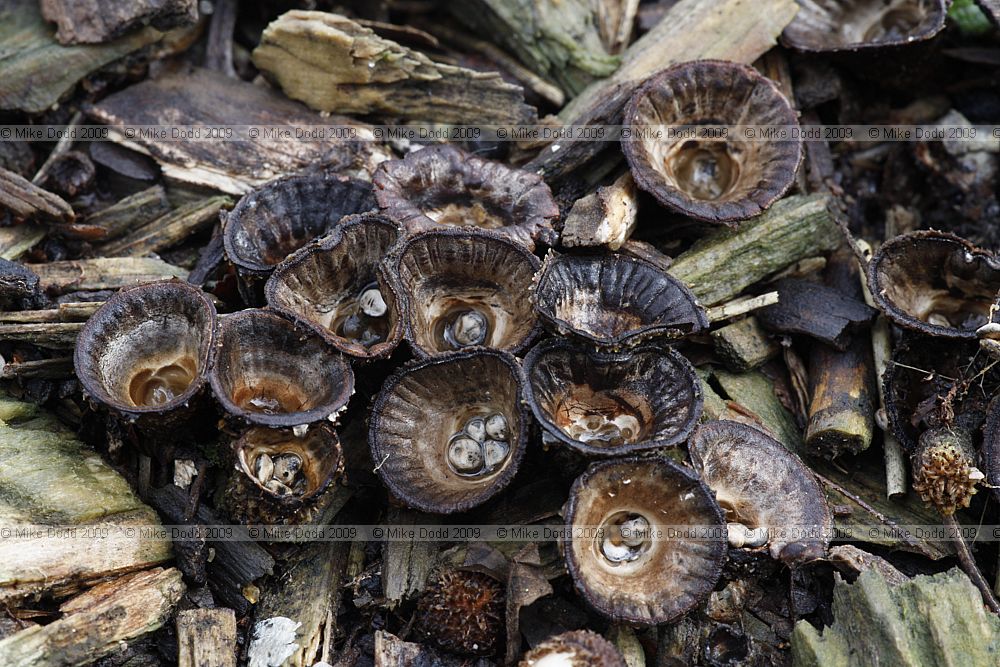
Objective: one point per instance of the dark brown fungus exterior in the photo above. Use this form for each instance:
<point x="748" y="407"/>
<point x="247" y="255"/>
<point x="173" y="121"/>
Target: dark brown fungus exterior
<point x="991" y="447"/>
<point x="462" y="612"/>
<point x="579" y="648"/>
<point x="627" y="568"/>
<point x="465" y="288"/>
<point x="269" y="371"/>
<point x="146" y="353"/>
<point x="761" y="484"/>
<point x="278" y="218"/>
<point x="335" y="286"/>
<point x="613" y="300"/>
<point x="612" y="403"/>
<point x="435" y="435"/>
<point x="716" y="180"/>
<point x="441" y="186"/>
<point x="935" y="283"/>
<point x="859" y="25"/>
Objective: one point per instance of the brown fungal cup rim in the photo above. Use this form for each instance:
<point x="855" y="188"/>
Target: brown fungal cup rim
<point x="290" y="501"/>
<point x="555" y="345"/>
<point x="583" y="644"/>
<point x="487" y="235"/>
<point x="940" y="14"/>
<point x="327" y="243"/>
<point x="322" y="412"/>
<point x="518" y="440"/>
<point x="246" y="206"/>
<point x="899" y="316"/>
<point x="395" y="200"/>
<point x="731" y="213"/>
<point x="586" y="483"/>
<point x="206" y="353"/>
<point x="630" y="337"/>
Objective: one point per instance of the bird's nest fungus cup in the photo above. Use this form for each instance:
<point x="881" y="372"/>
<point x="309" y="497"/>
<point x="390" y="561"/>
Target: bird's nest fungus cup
<point x="579" y="648"/>
<point x="441" y="186"/>
<point x="765" y="490"/>
<point x="862" y="25"/>
<point x="289" y="470"/>
<point x="146" y="353"/>
<point x="713" y="179"/>
<point x="336" y="287"/>
<point x="466" y="288"/>
<point x="612" y="403"/>
<point x="273" y="221"/>
<point x="935" y="283"/>
<point x="449" y="432"/>
<point x="271" y="372"/>
<point x="623" y="557"/>
<point x="612" y="300"/>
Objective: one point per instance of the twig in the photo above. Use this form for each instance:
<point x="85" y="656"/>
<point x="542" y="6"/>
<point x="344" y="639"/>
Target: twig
<point x="741" y="306"/>
<point x="62" y="146"/>
<point x="969" y="564"/>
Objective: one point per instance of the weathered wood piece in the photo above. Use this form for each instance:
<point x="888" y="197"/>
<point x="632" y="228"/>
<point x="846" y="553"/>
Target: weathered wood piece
<point x="131" y="212"/>
<point x="219" y="47"/>
<point x="334" y="64"/>
<point x="19" y="239"/>
<point x="97" y="21"/>
<point x="749" y="398"/>
<point x="722" y="265"/>
<point x="26" y="200"/>
<point x="821" y="312"/>
<point x="881" y="623"/>
<point x="41" y="369"/>
<point x="48" y="477"/>
<point x="736" y="30"/>
<point x="842" y="383"/>
<point x="744" y="345"/>
<point x="53" y="335"/>
<point x="606" y="217"/>
<point x="559" y="40"/>
<point x="102" y="273"/>
<point x="98" y="622"/>
<point x="308" y="593"/>
<point x="167" y="230"/>
<point x="406" y="563"/>
<point x="37" y="70"/>
<point x="391" y="651"/>
<point x="203" y="97"/>
<point x="206" y="637"/>
<point x="64" y="312"/>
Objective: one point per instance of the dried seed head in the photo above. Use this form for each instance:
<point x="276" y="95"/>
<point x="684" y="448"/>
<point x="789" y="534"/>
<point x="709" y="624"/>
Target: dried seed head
<point x="580" y="648"/>
<point x="944" y="469"/>
<point x="462" y="612"/>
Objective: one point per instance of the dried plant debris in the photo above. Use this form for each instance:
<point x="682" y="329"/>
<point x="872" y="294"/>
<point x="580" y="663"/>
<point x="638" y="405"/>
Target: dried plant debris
<point x="818" y="311"/>
<point x="334" y="64"/>
<point x="97" y="21"/>
<point x="878" y="622"/>
<point x="462" y="612"/>
<point x="202" y="97"/>
<point x="765" y="490"/>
